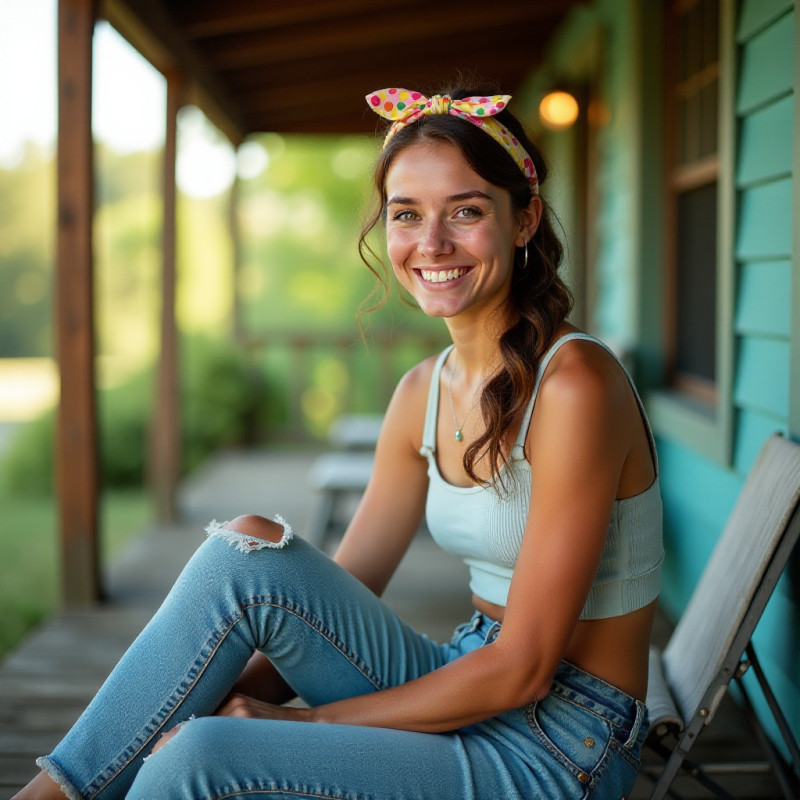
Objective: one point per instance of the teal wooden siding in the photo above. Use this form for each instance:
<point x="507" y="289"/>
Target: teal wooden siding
<point x="763" y="306"/>
<point x="767" y="63"/>
<point x="754" y="15"/>
<point x="692" y="519"/>
<point x="765" y="221"/>
<point x="762" y="376"/>
<point x="765" y="142"/>
<point x="765" y="111"/>
<point x="699" y="491"/>
<point x="752" y="430"/>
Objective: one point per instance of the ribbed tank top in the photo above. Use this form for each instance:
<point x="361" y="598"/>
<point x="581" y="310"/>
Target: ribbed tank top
<point x="485" y="528"/>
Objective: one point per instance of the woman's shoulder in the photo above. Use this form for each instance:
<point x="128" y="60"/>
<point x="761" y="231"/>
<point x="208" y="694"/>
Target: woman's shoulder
<point x="407" y="409"/>
<point x="583" y="374"/>
<point x="416" y="382"/>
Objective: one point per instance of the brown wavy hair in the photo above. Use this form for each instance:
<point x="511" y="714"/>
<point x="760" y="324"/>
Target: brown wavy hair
<point x="539" y="300"/>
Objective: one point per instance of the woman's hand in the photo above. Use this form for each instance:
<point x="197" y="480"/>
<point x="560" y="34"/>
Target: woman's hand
<point x="240" y="705"/>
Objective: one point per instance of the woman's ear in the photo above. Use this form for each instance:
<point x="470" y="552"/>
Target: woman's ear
<point x="529" y="220"/>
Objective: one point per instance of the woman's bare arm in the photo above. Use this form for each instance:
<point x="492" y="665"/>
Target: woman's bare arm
<point x="384" y="524"/>
<point x="393" y="504"/>
<point x="577" y="455"/>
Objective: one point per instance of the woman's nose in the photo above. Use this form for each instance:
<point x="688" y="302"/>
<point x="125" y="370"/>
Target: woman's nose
<point x="434" y="240"/>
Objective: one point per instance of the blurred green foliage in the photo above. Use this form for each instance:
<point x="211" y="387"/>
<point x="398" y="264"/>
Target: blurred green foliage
<point x="299" y="275"/>
<point x="29" y="575"/>
<point x="300" y="221"/>
<point x="27" y="220"/>
<point x="223" y="402"/>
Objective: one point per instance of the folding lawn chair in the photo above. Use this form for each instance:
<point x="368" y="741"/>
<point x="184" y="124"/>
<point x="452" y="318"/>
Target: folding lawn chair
<point x="711" y="643"/>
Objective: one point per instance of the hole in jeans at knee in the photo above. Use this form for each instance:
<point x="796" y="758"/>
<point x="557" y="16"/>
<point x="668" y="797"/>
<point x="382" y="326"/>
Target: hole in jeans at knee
<point x="246" y="543"/>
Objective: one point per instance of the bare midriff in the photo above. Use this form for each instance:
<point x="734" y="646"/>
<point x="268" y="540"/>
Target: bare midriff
<point x="614" y="649"/>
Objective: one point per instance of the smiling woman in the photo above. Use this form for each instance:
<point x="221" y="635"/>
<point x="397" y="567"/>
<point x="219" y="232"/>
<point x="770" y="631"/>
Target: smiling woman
<point x="452" y="252"/>
<point x="540" y="471"/>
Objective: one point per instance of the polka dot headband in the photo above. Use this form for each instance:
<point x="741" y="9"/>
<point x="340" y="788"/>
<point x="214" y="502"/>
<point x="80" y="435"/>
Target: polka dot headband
<point x="403" y="108"/>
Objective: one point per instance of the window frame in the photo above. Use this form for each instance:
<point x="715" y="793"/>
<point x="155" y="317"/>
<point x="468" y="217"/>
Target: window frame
<point x="681" y="178"/>
<point x="706" y="427"/>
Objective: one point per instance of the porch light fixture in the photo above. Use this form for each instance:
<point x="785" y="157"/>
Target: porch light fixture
<point x="558" y="110"/>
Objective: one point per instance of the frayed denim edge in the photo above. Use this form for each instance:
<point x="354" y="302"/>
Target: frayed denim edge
<point x="57" y="774"/>
<point x="248" y="544"/>
<point x="177" y="730"/>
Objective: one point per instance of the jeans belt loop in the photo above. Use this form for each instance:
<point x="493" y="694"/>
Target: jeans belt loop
<point x="637" y="725"/>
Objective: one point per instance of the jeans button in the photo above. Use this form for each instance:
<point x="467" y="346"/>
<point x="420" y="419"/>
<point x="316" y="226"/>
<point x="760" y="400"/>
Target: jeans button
<point x="583" y="777"/>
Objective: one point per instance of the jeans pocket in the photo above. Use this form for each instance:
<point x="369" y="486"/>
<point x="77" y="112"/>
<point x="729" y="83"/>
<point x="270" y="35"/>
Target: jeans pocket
<point x="460" y="632"/>
<point x="577" y="738"/>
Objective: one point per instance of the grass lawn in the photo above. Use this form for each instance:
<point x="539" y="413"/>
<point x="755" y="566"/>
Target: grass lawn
<point x="28" y="554"/>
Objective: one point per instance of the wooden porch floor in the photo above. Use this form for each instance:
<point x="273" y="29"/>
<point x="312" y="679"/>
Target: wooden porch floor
<point x="46" y="683"/>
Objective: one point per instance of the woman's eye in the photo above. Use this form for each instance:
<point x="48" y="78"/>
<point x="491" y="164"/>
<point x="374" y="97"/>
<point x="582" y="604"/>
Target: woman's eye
<point x="469" y="212"/>
<point x="403" y="216"/>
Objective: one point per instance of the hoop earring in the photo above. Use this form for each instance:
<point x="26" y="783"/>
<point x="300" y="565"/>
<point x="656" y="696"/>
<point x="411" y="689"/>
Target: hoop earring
<point x="525" y="258"/>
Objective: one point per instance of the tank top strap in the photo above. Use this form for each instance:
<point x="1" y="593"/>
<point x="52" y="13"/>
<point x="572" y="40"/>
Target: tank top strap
<point x="432" y="410"/>
<point x="518" y="451"/>
<point x="519" y="446"/>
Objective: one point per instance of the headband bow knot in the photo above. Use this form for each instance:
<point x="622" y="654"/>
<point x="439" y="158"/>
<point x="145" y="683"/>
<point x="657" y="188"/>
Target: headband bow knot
<point x="403" y="107"/>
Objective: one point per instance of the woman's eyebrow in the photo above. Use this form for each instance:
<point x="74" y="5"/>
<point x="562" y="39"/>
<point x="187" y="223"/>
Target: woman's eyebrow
<point x="453" y="198"/>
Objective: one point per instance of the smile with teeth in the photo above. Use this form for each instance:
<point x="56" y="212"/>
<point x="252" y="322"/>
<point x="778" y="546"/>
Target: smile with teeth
<point x="442" y="275"/>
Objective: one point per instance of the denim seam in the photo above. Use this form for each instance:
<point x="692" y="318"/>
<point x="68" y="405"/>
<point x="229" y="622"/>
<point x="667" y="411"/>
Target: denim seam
<point x="625" y="753"/>
<point x="588" y="710"/>
<point x="560" y="756"/>
<point x="614" y="744"/>
<point x="316" y="624"/>
<point x="179" y="694"/>
<point x="272" y="788"/>
<point x="170" y="706"/>
<point x="291" y="792"/>
<point x="597" y="773"/>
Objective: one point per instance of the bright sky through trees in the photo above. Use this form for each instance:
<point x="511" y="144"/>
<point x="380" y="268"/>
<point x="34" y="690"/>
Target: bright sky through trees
<point x="129" y="99"/>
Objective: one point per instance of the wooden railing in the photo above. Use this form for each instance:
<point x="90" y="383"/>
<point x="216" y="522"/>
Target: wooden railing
<point x="315" y="377"/>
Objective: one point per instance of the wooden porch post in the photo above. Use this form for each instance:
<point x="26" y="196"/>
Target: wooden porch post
<point x="238" y="327"/>
<point x="165" y="444"/>
<point x="76" y="438"/>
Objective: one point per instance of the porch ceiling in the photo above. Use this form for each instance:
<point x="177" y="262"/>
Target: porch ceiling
<point x="266" y="65"/>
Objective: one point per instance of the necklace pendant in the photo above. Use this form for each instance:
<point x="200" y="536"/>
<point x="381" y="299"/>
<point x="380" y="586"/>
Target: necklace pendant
<point x="458" y="434"/>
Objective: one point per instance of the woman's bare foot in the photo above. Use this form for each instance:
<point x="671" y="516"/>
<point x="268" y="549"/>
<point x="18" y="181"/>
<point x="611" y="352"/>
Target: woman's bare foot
<point x="42" y="787"/>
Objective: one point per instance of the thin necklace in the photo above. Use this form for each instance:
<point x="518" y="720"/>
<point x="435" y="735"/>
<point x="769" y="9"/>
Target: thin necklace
<point x="459" y="428"/>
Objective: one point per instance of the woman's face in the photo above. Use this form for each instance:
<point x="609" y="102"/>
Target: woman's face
<point x="451" y="234"/>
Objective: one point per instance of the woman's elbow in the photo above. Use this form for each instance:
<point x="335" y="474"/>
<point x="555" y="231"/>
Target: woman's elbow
<point x="525" y="691"/>
<point x="521" y="683"/>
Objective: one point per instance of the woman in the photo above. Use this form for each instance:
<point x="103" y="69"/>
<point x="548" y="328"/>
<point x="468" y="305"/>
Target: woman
<point x="526" y="446"/>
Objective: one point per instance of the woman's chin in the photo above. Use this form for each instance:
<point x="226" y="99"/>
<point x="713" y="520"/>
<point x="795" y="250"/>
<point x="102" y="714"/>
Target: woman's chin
<point x="440" y="311"/>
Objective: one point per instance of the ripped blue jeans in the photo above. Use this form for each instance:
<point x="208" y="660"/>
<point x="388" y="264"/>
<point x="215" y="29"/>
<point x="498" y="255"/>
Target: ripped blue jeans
<point x="330" y="638"/>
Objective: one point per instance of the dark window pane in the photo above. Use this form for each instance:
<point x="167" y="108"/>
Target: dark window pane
<point x="694" y="21"/>
<point x="710" y="32"/>
<point x="683" y="49"/>
<point x="708" y="128"/>
<point x="696" y="282"/>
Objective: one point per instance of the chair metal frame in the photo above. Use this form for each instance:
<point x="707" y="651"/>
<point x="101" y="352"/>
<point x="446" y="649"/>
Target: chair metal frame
<point x="691" y="716"/>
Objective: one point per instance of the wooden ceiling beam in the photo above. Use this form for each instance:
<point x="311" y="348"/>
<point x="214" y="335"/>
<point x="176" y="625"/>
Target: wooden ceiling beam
<point x="285" y="112"/>
<point x="475" y="26"/>
<point x="148" y="27"/>
<point x="430" y="63"/>
<point x="344" y="87"/>
<point x="201" y="20"/>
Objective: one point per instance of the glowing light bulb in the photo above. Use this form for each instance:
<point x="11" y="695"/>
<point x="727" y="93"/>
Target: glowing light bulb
<point x="558" y="110"/>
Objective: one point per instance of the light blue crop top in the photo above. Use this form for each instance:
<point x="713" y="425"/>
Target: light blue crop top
<point x="485" y="528"/>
